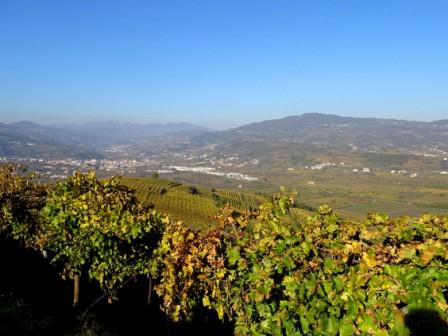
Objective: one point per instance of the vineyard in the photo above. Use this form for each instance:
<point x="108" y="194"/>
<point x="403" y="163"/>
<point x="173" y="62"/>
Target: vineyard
<point x="274" y="270"/>
<point x="194" y="206"/>
<point x="240" y="200"/>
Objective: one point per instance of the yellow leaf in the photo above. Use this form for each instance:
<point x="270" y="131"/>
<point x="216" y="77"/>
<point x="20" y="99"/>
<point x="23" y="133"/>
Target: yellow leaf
<point x="370" y="262"/>
<point x="206" y="301"/>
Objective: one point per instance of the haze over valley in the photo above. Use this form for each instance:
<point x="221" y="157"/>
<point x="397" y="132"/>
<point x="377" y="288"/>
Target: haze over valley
<point x="365" y="157"/>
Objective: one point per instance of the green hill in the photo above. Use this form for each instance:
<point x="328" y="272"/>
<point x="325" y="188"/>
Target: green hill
<point x="188" y="203"/>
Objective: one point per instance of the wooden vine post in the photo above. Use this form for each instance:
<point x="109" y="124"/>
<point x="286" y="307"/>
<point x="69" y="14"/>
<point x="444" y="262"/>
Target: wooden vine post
<point x="75" y="290"/>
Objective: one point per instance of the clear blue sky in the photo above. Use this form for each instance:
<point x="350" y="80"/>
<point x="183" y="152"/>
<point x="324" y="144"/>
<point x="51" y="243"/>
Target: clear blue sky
<point x="222" y="63"/>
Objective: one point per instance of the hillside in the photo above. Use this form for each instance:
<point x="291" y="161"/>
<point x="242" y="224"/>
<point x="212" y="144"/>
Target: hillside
<point x="110" y="132"/>
<point x="187" y="203"/>
<point x="82" y="141"/>
<point x="312" y="139"/>
<point x="26" y="139"/>
<point x="339" y="132"/>
<point x="312" y="136"/>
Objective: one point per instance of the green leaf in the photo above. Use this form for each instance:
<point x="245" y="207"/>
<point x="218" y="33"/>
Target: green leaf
<point x="367" y="325"/>
<point x="346" y="329"/>
<point x="332" y="326"/>
<point x="233" y="255"/>
<point x="305" y="324"/>
<point x="306" y="247"/>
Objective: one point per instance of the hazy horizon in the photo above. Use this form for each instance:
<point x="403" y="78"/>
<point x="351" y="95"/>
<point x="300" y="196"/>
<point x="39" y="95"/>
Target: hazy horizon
<point x="78" y="123"/>
<point x="221" y="64"/>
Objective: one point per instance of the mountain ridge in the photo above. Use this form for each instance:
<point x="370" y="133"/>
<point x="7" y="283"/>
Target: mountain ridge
<point x="25" y="138"/>
<point x="314" y="137"/>
<point x="326" y="128"/>
<point x="292" y="135"/>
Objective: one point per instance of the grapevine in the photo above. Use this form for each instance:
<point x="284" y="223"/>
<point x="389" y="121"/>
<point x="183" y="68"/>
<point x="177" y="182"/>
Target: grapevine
<point x="267" y="271"/>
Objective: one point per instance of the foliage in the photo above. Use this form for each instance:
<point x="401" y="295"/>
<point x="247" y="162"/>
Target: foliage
<point x="321" y="276"/>
<point x="267" y="272"/>
<point x="185" y="264"/>
<point x="98" y="228"/>
<point x="20" y="200"/>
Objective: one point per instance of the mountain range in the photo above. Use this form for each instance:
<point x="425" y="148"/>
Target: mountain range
<point x="316" y="137"/>
<point x="333" y="130"/>
<point x="110" y="132"/>
<point x="27" y="139"/>
<point x="292" y="136"/>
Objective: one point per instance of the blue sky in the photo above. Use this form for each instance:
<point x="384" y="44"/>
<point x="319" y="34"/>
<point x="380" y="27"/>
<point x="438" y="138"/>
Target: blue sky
<point x="221" y="63"/>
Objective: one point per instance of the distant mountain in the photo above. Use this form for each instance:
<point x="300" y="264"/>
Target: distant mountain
<point x="27" y="139"/>
<point x="443" y="122"/>
<point x="303" y="138"/>
<point x="337" y="131"/>
<point x="110" y="132"/>
<point x="292" y="139"/>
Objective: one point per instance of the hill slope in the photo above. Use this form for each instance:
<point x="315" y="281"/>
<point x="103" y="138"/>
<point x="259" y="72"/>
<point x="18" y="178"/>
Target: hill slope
<point x="337" y="132"/>
<point x="187" y="203"/>
<point x="26" y="139"/>
<point x="316" y="138"/>
<point x="110" y="132"/>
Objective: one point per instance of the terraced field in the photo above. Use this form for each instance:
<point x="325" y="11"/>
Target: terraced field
<point x="188" y="203"/>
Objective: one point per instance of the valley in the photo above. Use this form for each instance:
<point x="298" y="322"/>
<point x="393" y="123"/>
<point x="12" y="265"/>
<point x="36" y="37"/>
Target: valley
<point x="355" y="165"/>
